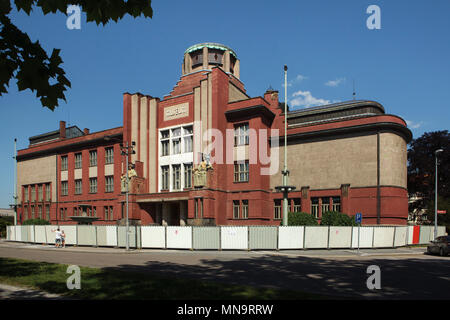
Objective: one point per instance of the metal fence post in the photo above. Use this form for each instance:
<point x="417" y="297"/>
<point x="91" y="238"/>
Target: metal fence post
<point x="393" y="242"/>
<point x="328" y="240"/>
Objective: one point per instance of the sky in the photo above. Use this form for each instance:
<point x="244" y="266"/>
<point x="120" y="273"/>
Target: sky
<point x="326" y="44"/>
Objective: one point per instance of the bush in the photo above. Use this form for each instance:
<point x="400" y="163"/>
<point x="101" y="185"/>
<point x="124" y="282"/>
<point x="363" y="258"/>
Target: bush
<point x="301" y="219"/>
<point x="5" y="221"/>
<point x="333" y="218"/>
<point x="35" y="222"/>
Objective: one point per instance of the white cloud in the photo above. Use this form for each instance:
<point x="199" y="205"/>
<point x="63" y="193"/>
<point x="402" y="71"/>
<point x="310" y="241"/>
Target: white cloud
<point x="298" y="78"/>
<point x="414" y="125"/>
<point x="335" y="83"/>
<point x="305" y="99"/>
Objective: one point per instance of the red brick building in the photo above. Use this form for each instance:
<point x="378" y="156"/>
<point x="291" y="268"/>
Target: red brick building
<point x="208" y="154"/>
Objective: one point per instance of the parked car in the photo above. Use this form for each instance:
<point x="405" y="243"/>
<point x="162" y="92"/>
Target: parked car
<point x="439" y="246"/>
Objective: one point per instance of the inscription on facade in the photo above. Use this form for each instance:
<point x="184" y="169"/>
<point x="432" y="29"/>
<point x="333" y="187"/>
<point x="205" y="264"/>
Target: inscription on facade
<point x="177" y="111"/>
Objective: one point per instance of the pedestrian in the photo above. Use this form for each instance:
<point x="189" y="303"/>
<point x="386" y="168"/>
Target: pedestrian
<point x="57" y="237"/>
<point x="63" y="239"/>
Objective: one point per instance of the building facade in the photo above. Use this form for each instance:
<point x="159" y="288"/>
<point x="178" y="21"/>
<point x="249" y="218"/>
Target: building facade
<point x="209" y="154"/>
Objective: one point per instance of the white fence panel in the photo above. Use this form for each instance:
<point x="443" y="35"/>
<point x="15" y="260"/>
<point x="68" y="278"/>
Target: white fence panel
<point x="30" y="231"/>
<point x="40" y="234"/>
<point x="234" y="238"/>
<point x="179" y="237"/>
<point x="51" y="236"/>
<point x="290" y="237"/>
<point x="340" y="237"/>
<point x="400" y="236"/>
<point x="441" y="231"/>
<point x="365" y="237"/>
<point x="71" y="234"/>
<point x="12" y="233"/>
<point x="153" y="237"/>
<point x="383" y="237"/>
<point x="18" y="233"/>
<point x="410" y="234"/>
<point x="316" y="237"/>
<point x="111" y="236"/>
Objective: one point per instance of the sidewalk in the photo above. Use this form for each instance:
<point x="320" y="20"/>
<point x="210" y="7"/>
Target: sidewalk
<point x="297" y="252"/>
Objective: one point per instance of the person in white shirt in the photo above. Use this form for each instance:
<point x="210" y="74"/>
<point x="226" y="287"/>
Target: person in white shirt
<point x="58" y="238"/>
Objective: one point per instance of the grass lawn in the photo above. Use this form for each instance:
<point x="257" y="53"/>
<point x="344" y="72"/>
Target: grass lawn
<point x="110" y="284"/>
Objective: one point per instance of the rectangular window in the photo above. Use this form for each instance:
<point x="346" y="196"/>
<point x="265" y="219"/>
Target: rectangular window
<point x="78" y="160"/>
<point x="337" y="204"/>
<point x="93" y="185"/>
<point x="109" y="184"/>
<point x="61" y="214"/>
<point x="315" y="207"/>
<point x="165" y="143"/>
<point x="297" y="205"/>
<point x="277" y="209"/>
<point x="93" y="158"/>
<point x="165" y="177"/>
<point x="64" y="188"/>
<point x="176" y="177"/>
<point x="78" y="186"/>
<point x="40" y="212"/>
<point x="64" y="163"/>
<point x="40" y="193"/>
<point x="241" y="171"/>
<point x="47" y="192"/>
<point x="188" y="175"/>
<point x="176" y="146"/>
<point x="47" y="213"/>
<point x="244" y="209"/>
<point x="325" y="204"/>
<point x="109" y="155"/>
<point x="236" y="209"/>
<point x="25" y="194"/>
<point x="188" y="138"/>
<point x="33" y="193"/>
<point x="241" y="134"/>
<point x="109" y="213"/>
<point x="31" y="215"/>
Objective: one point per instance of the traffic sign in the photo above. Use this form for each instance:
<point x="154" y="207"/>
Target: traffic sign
<point x="358" y="217"/>
<point x="442" y="211"/>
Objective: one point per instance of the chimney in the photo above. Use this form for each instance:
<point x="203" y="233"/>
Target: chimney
<point x="86" y="131"/>
<point x="62" y="129"/>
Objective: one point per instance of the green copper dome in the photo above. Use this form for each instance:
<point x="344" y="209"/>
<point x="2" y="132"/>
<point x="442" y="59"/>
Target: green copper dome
<point x="210" y="45"/>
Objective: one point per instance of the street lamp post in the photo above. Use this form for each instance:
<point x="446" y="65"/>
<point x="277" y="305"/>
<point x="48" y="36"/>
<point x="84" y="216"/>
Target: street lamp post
<point x="436" y="191"/>
<point x="285" y="188"/>
<point x="125" y="151"/>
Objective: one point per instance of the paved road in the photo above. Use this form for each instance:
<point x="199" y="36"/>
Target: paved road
<point x="406" y="273"/>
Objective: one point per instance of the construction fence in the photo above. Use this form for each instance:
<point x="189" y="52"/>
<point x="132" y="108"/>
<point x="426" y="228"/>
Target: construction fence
<point x="230" y="237"/>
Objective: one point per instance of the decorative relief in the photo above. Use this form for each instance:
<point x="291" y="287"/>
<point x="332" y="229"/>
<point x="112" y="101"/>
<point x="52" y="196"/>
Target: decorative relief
<point x="176" y="111"/>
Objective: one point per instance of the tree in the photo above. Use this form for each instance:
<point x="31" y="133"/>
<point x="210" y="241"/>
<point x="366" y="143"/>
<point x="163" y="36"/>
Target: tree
<point x="421" y="170"/>
<point x="301" y="219"/>
<point x="333" y="218"/>
<point x="27" y="61"/>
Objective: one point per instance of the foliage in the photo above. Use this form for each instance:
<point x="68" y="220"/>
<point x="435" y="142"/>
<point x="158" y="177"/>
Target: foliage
<point x="301" y="219"/>
<point x="421" y="168"/>
<point x="5" y="221"/>
<point x="38" y="221"/>
<point x="443" y="219"/>
<point x="334" y="218"/>
<point x="27" y="61"/>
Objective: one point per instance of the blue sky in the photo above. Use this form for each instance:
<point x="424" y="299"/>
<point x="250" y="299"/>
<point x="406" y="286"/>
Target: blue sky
<point x="325" y="43"/>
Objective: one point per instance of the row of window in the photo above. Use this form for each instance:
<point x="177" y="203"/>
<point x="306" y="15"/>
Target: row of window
<point x="324" y="204"/>
<point x="109" y="159"/>
<point x="176" y="176"/>
<point x="108" y="212"/>
<point x="37" y="212"/>
<point x="36" y="192"/>
<point x="176" y="141"/>
<point x="109" y="185"/>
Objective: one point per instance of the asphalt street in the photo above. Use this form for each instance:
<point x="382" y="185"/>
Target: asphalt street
<point x="405" y="273"/>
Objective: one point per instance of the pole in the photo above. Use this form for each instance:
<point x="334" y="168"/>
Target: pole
<point x="15" y="181"/>
<point x="359" y="226"/>
<point x="435" y="197"/>
<point x="126" y="196"/>
<point x="285" y="178"/>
